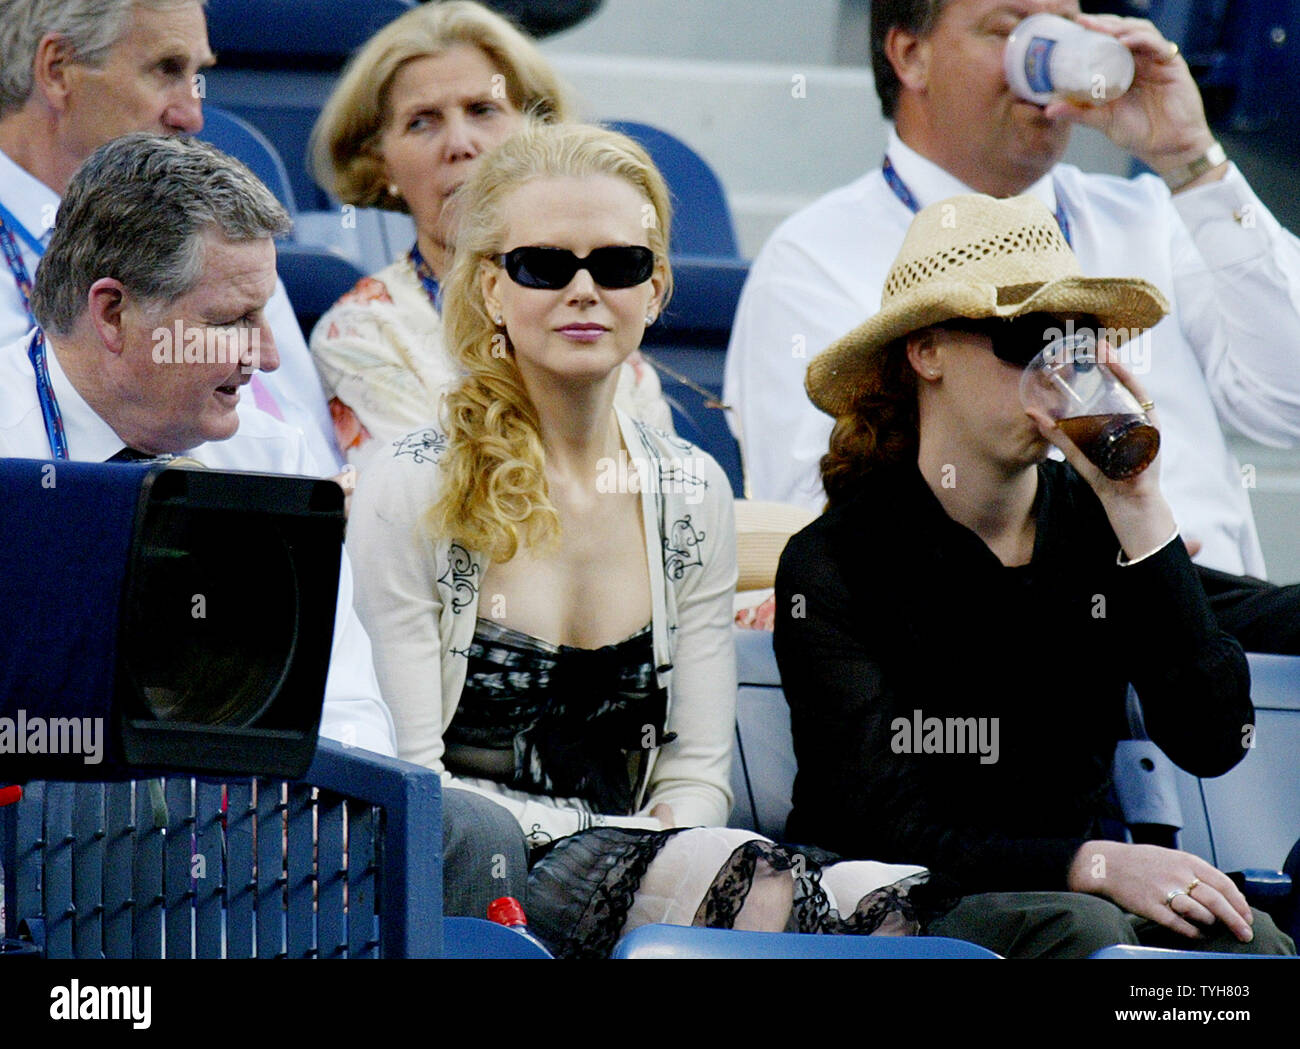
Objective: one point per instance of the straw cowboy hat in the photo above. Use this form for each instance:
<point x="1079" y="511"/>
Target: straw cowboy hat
<point x="974" y="256"/>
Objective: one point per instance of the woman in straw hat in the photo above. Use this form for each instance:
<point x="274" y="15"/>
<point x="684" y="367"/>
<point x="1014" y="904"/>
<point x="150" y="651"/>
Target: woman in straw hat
<point x="957" y="632"/>
<point x="548" y="582"/>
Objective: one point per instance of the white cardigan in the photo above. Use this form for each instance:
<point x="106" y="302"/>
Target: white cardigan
<point x="418" y="598"/>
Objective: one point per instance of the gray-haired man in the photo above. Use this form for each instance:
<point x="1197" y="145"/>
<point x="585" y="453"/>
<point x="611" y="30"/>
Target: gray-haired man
<point x="75" y="74"/>
<point x="151" y="301"/>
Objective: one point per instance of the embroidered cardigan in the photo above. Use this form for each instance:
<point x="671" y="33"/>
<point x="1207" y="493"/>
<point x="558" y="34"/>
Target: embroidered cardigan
<point x="418" y="597"/>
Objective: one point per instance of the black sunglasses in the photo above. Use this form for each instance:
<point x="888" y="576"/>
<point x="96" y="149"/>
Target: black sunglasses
<point x="1018" y="340"/>
<point x="554" y="268"/>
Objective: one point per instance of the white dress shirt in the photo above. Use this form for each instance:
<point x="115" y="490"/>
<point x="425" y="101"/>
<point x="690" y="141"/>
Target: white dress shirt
<point x="295" y="386"/>
<point x="354" y="711"/>
<point x="1227" y="354"/>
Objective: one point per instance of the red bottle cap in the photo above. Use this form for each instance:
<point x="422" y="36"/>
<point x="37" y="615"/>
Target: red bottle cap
<point x="507" y="911"/>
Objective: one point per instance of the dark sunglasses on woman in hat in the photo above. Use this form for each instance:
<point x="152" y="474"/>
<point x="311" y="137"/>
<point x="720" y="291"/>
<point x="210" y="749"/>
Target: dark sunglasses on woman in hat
<point x="1018" y="340"/>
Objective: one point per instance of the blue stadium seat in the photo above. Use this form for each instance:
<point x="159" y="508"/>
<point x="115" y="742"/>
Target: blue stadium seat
<point x="702" y="222"/>
<point x="690" y="342"/>
<point x="690" y="338"/>
<point x="677" y="941"/>
<point x="273" y="29"/>
<point x="345" y="863"/>
<point x="480" y="938"/>
<point x="1132" y="952"/>
<point x="241" y="140"/>
<point x="1244" y="55"/>
<point x="762" y="763"/>
<point x="1248" y="819"/>
<point x="314" y="278"/>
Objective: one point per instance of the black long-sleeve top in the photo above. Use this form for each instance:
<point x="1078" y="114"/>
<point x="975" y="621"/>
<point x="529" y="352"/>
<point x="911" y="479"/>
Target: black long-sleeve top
<point x="887" y="607"/>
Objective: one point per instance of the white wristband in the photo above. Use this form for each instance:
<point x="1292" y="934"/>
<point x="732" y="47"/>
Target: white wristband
<point x="1123" y="563"/>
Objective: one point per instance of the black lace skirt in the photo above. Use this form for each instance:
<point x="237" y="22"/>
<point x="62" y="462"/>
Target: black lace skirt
<point x="581" y="889"/>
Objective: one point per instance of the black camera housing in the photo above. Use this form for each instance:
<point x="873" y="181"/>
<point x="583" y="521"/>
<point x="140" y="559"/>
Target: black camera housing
<point x="191" y="611"/>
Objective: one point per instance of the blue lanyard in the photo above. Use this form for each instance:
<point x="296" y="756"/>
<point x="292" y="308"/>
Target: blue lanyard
<point x="11" y="220"/>
<point x="14" y="256"/>
<point x="903" y="193"/>
<point x="430" y="282"/>
<point x="45" y="394"/>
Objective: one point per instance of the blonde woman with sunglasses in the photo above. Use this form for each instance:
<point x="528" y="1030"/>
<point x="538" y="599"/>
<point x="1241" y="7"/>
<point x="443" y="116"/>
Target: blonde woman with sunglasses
<point x="548" y="583"/>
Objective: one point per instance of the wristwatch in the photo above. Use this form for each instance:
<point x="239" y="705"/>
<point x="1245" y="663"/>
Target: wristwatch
<point x="1184" y="174"/>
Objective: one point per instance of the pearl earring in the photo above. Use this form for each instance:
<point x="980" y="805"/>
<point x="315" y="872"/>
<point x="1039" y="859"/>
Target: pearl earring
<point x="649" y="319"/>
<point x="393" y="191"/>
<point x="498" y="320"/>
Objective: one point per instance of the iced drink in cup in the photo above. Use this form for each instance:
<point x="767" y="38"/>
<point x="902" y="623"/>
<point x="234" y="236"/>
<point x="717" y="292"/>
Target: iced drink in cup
<point x="1068" y="383"/>
<point x="1049" y="58"/>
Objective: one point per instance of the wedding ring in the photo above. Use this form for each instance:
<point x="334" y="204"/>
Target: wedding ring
<point x="1169" y="896"/>
<point x="1173" y="51"/>
<point x="1146" y="406"/>
<point x="1195" y="882"/>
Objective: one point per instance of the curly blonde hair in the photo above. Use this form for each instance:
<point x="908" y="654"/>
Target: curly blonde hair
<point x="495" y="495"/>
<point x="344" y="156"/>
<point x="881" y="427"/>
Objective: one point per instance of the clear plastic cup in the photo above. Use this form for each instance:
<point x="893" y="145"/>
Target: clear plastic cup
<point x="1068" y="383"/>
<point x="1049" y="58"/>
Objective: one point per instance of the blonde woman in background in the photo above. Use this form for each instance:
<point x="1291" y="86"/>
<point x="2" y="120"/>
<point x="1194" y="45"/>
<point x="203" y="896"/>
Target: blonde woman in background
<point x="417" y="107"/>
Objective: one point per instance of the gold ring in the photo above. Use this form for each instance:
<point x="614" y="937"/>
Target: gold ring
<point x="1146" y="406"/>
<point x="1173" y="51"/>
<point x="1169" y="896"/>
<point x="1195" y="882"/>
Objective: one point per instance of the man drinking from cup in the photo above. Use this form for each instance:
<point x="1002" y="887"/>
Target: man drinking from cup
<point x="1225" y="355"/>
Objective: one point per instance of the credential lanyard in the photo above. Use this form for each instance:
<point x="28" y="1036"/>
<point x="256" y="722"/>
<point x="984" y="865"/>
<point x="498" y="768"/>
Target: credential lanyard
<point x="14" y="256"/>
<point x="45" y="395"/>
<point x="905" y="194"/>
<point x="430" y="282"/>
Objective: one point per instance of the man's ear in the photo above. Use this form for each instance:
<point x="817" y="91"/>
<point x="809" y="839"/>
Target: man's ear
<point x="106" y="304"/>
<point x="909" y="54"/>
<point x="53" y="69"/>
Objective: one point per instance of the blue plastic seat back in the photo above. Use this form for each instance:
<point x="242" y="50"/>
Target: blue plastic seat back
<point x="275" y="29"/>
<point x="464" y="938"/>
<point x="1134" y="952"/>
<point x="242" y="140"/>
<point x="314" y="278"/>
<point x="676" y="941"/>
<point x="762" y="764"/>
<point x="702" y="222"/>
<point x="1254" y="809"/>
<point x="345" y="863"/>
